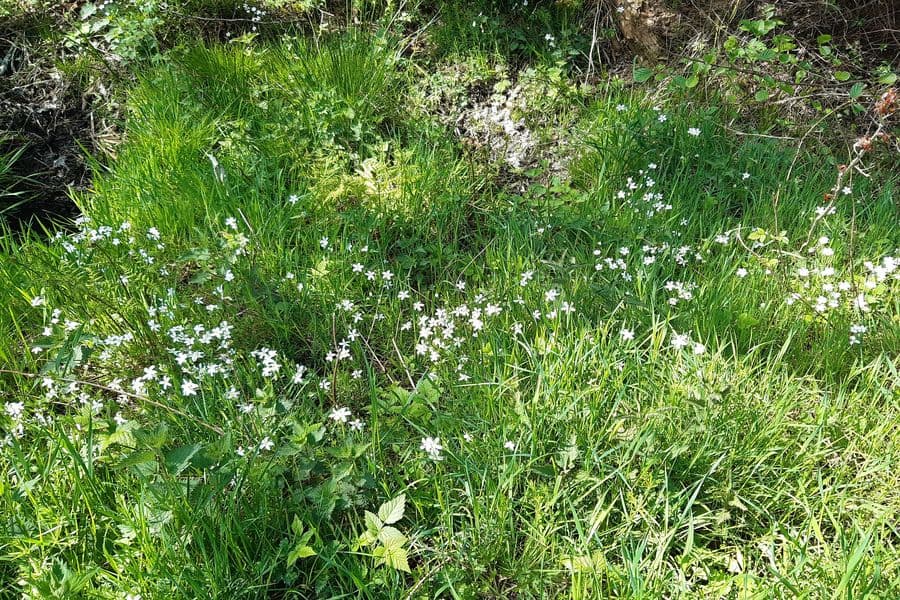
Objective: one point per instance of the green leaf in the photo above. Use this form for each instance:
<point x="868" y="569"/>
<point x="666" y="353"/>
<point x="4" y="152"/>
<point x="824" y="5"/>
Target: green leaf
<point x="297" y="526"/>
<point x="391" y="537"/>
<point x="857" y="90"/>
<point x="395" y="557"/>
<point x="761" y="96"/>
<point x="841" y="75"/>
<point x="823" y="39"/>
<point x="642" y="74"/>
<point x="299" y="552"/>
<point x="757" y="235"/>
<point x="392" y="510"/>
<point x="178" y="459"/>
<point x="366" y="539"/>
<point x="373" y="523"/>
<point x="888" y="78"/>
<point x="87" y="10"/>
<point x="142" y="462"/>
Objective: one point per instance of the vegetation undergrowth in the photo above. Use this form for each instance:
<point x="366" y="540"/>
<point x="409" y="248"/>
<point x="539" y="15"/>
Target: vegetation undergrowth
<point x="305" y="343"/>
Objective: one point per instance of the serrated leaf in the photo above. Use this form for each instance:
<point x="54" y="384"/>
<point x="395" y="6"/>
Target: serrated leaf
<point x="297" y="526"/>
<point x="366" y="539"/>
<point x="391" y="537"/>
<point x="392" y="510"/>
<point x="395" y="558"/>
<point x="857" y="90"/>
<point x="373" y="523"/>
<point x="178" y="459"/>
<point x="142" y="462"/>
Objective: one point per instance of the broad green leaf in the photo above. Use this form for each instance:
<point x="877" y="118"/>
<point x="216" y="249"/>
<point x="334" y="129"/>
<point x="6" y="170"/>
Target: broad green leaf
<point x="395" y="557"/>
<point x="392" y="510"/>
<point x="297" y="526"/>
<point x="299" y="552"/>
<point x="87" y="10"/>
<point x="366" y="539"/>
<point x="642" y="74"/>
<point x="761" y="96"/>
<point x="841" y="75"/>
<point x="373" y="523"/>
<point x="391" y="537"/>
<point x="857" y="90"/>
<point x="178" y="459"/>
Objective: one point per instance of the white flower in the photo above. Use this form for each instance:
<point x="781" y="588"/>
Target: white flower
<point x="432" y="447"/>
<point x="357" y="425"/>
<point x="189" y="388"/>
<point x="510" y="445"/>
<point x="323" y="242"/>
<point x="340" y="414"/>
<point x="742" y="272"/>
<point x="551" y="295"/>
<point x="266" y="444"/>
<point x="15" y="409"/>
<point x="699" y="348"/>
<point x="680" y="340"/>
<point x="626" y="334"/>
<point x="694" y="131"/>
<point x="38" y="301"/>
<point x="468" y="437"/>
<point x="525" y="278"/>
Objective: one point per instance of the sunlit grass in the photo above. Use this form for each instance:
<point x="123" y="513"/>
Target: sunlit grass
<point x="287" y="281"/>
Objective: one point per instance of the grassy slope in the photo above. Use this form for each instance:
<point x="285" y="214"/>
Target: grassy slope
<point x="598" y="465"/>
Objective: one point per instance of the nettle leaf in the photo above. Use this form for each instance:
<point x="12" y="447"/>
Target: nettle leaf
<point x="857" y="90"/>
<point x="391" y="537"/>
<point x="428" y="390"/>
<point x="392" y="510"/>
<point x="178" y="459"/>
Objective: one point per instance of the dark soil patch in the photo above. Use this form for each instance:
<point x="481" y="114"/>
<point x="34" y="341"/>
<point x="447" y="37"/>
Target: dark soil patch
<point x="48" y="119"/>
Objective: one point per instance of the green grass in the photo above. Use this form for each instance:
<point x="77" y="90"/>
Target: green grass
<point x="575" y="462"/>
